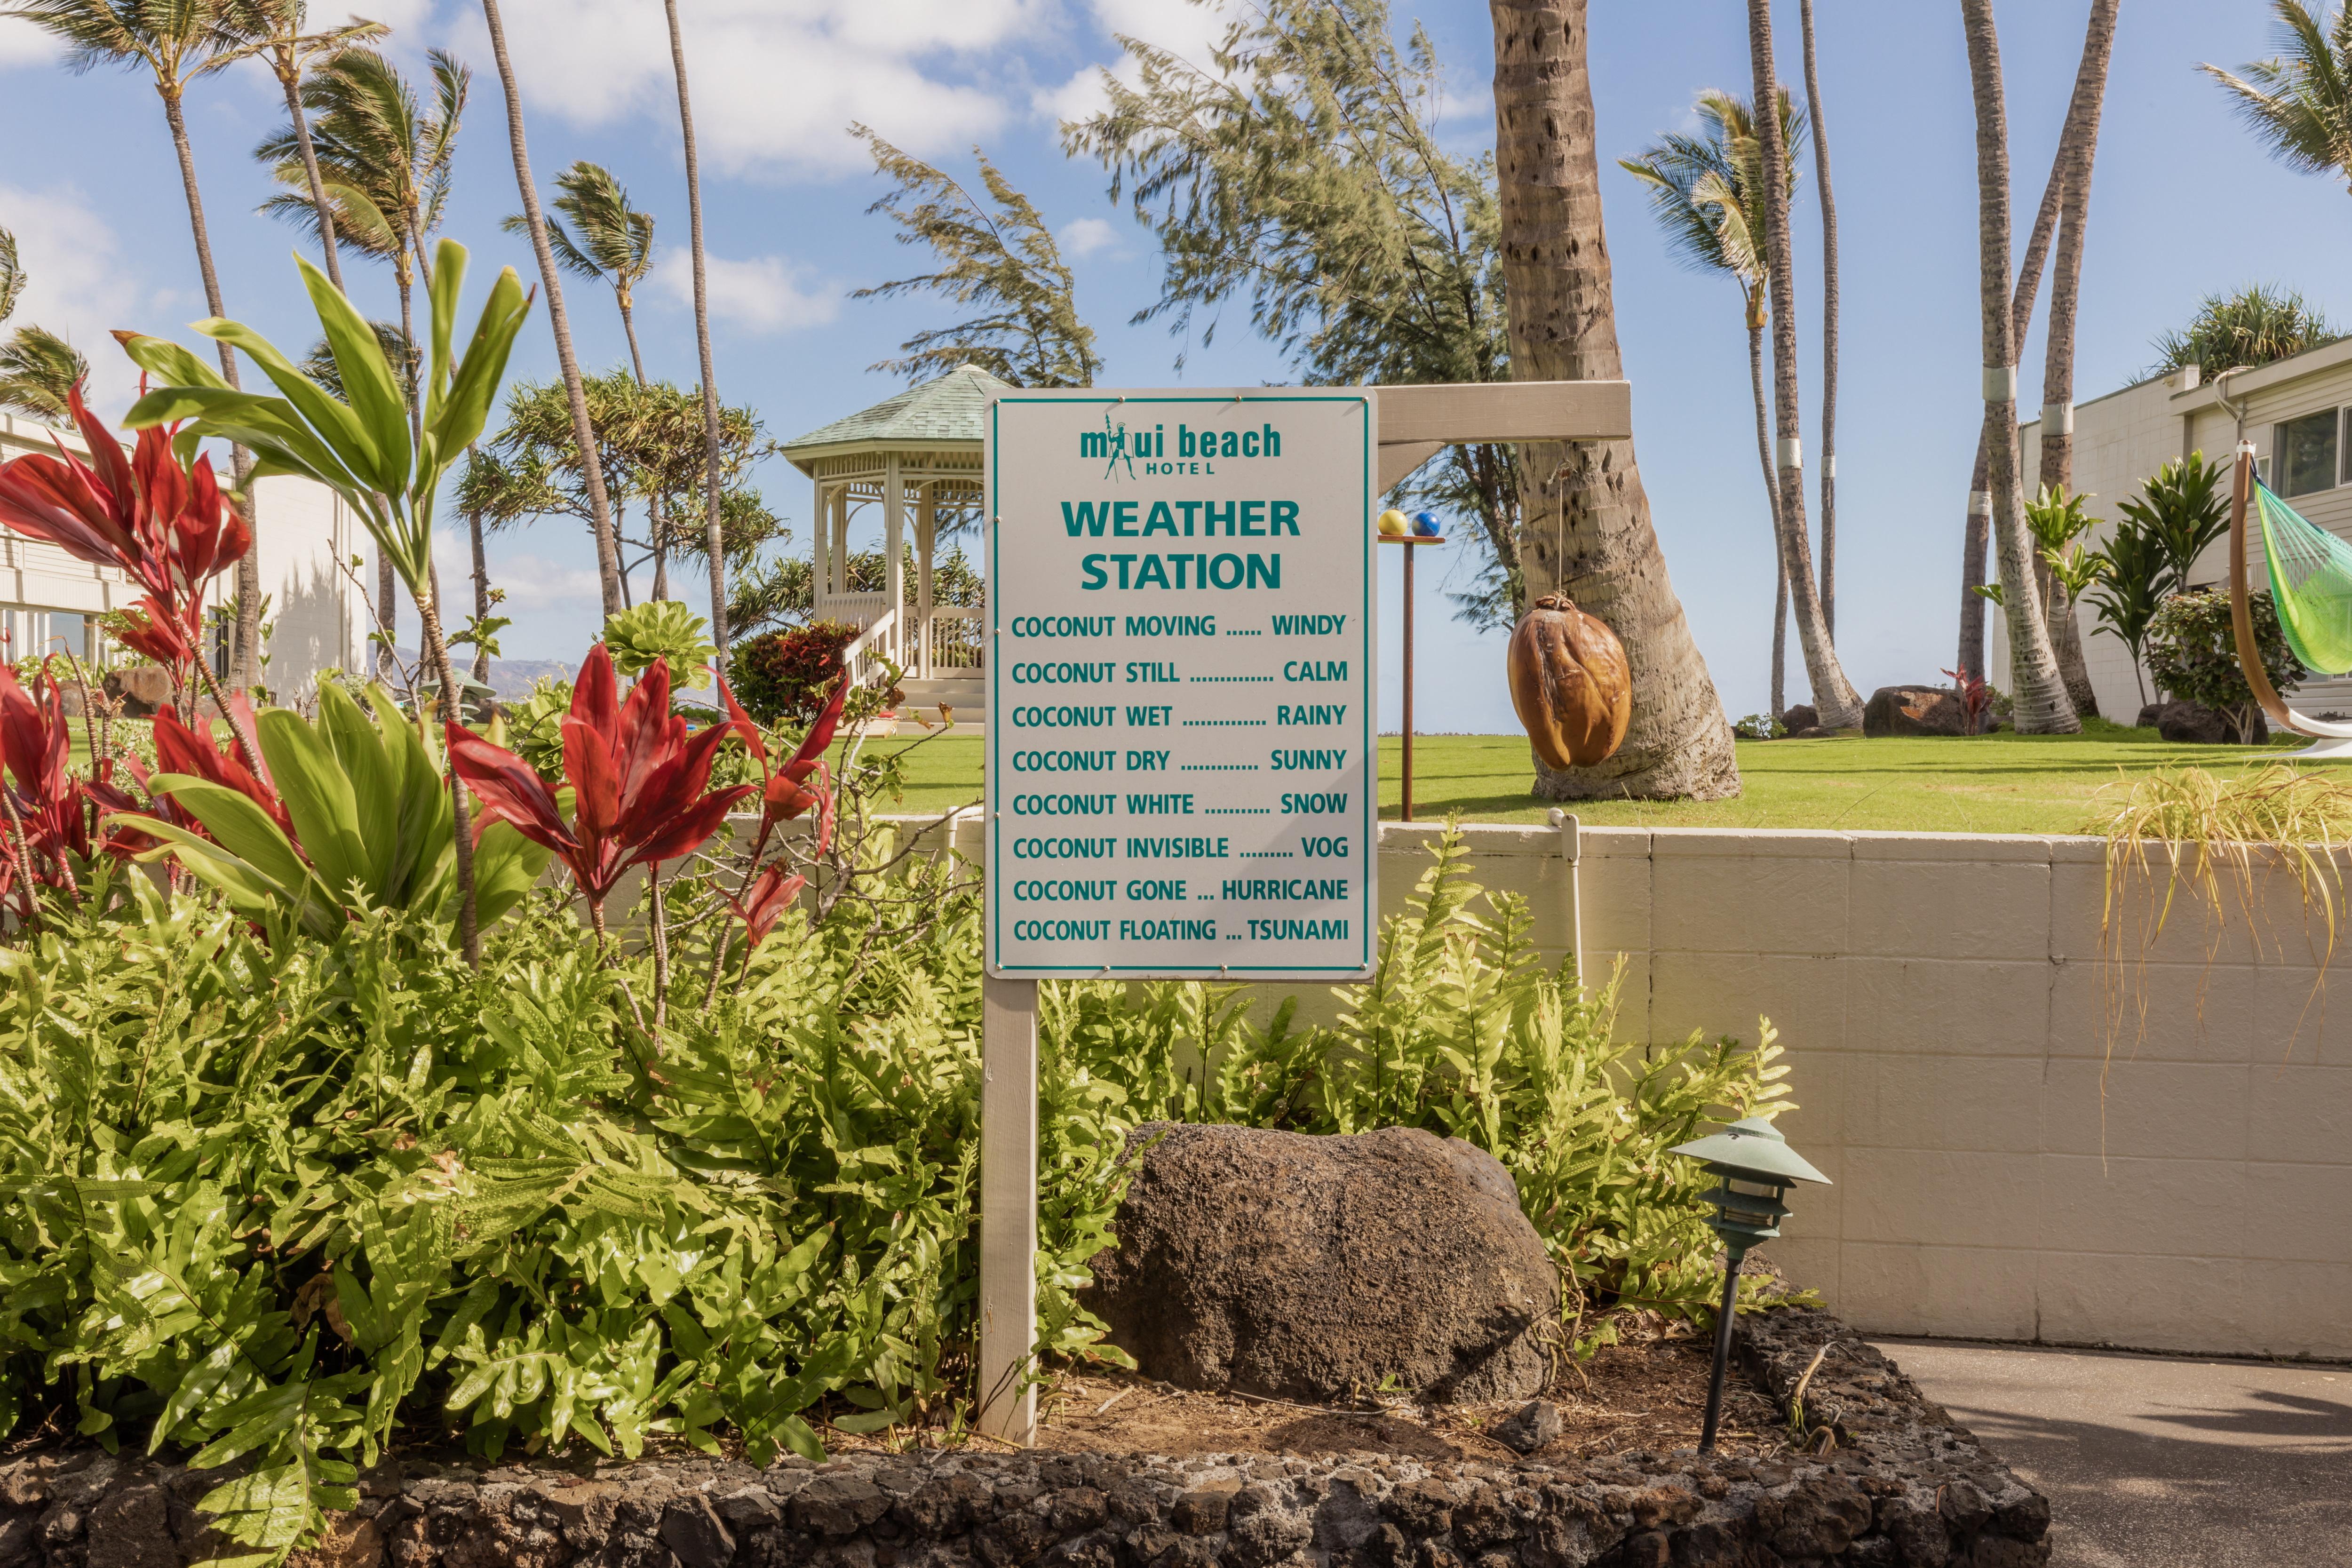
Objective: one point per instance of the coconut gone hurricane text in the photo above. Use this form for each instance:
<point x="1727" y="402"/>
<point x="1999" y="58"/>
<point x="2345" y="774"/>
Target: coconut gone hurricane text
<point x="1181" y="768"/>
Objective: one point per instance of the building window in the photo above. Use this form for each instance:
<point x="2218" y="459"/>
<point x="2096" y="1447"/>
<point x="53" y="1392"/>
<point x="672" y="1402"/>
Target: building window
<point x="2306" y="454"/>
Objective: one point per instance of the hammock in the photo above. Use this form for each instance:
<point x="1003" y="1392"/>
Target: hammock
<point x="2311" y="584"/>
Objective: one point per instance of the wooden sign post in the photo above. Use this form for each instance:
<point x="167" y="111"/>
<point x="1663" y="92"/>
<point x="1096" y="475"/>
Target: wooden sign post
<point x="1183" y="773"/>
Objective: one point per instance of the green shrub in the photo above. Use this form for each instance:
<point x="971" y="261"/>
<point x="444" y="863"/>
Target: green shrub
<point x="2192" y="652"/>
<point x="781" y="676"/>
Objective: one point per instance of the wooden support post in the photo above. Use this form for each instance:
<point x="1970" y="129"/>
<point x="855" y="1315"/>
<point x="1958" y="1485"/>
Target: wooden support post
<point x="1008" y="1208"/>
<point x="1571" y="846"/>
<point x="1408" y="684"/>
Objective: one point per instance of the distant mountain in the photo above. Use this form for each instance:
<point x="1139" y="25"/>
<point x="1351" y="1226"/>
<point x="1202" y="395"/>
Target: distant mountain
<point x="510" y="678"/>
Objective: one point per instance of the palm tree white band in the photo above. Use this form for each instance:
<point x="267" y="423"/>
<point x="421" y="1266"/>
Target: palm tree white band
<point x="1829" y="466"/>
<point x="2058" y="419"/>
<point x="1979" y="503"/>
<point x="1790" y="452"/>
<point x="2001" y="384"/>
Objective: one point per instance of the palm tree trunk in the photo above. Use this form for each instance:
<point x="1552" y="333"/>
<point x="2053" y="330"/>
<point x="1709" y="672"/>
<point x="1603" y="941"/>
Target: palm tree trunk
<point x="1834" y="695"/>
<point x="2081" y="142"/>
<point x="481" y="592"/>
<point x="437" y="648"/>
<point x="713" y="540"/>
<point x="246" y="670"/>
<point x="629" y="331"/>
<point x="1829" y="322"/>
<point x="289" y="72"/>
<point x="1586" y="517"/>
<point x="583" y="432"/>
<point x="2041" y="704"/>
<point x="1974" y="540"/>
<point x="1772" y="505"/>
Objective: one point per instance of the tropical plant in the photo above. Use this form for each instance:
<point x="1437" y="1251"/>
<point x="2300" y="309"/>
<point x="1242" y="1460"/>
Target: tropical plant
<point x="2192" y="652"/>
<point x="2042" y="704"/>
<point x="558" y="321"/>
<point x="2259" y="323"/>
<point x="661" y="630"/>
<point x="351" y="817"/>
<point x="44" y="827"/>
<point x="783" y="675"/>
<point x="1587" y="537"/>
<point x="615" y="243"/>
<point x="2130" y="591"/>
<point x="1297" y="166"/>
<point x="1707" y="192"/>
<point x="1975" y="697"/>
<point x="38" y="373"/>
<point x="1003" y="265"/>
<point x="1834" y="697"/>
<point x="2299" y="102"/>
<point x="12" y="275"/>
<point x="714" y="509"/>
<point x="277" y="24"/>
<point x="1829" y="319"/>
<point x="2182" y="510"/>
<point x="177" y="44"/>
<point x="360" y="446"/>
<point x="2064" y="569"/>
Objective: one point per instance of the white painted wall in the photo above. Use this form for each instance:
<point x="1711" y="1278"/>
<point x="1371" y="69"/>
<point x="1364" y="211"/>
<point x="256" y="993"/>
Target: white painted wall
<point x="2000" y="1172"/>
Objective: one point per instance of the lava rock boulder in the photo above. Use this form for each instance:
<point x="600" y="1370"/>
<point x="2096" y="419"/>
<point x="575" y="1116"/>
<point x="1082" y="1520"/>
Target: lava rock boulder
<point x="1305" y="1267"/>
<point x="1914" y="711"/>
<point x="2195" y="724"/>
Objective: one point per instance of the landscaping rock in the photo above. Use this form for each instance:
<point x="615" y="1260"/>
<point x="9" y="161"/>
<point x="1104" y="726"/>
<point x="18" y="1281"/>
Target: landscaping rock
<point x="1914" y="711"/>
<point x="2194" y="724"/>
<point x="1314" y="1268"/>
<point x="1803" y="716"/>
<point x="1528" y="1427"/>
<point x="144" y="687"/>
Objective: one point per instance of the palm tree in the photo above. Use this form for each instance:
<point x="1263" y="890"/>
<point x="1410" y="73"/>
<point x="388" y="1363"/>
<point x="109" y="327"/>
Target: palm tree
<point x="179" y="42"/>
<point x="1829" y="322"/>
<point x="2081" y="139"/>
<point x="291" y="53"/>
<point x="12" y="275"/>
<point x="38" y="369"/>
<point x="712" y="436"/>
<point x="384" y="164"/>
<point x="2041" y="704"/>
<point x="551" y="276"/>
<point x="1587" y="528"/>
<point x="1709" y="198"/>
<point x="1839" y="703"/>
<point x="615" y="245"/>
<point x="2300" y="102"/>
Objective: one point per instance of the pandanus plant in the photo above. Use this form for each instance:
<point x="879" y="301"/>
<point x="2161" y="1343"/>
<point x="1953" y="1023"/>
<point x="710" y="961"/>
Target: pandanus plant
<point x="157" y="517"/>
<point x="359" y="444"/>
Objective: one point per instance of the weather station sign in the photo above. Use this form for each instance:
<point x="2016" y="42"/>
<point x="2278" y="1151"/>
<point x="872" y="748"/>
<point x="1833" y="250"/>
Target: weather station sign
<point x="1182" y="778"/>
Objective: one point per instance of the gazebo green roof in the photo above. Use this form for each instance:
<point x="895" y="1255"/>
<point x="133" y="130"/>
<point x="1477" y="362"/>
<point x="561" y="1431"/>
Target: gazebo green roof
<point x="949" y="411"/>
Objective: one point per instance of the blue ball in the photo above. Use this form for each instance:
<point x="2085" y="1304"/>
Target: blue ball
<point x="1424" y="523"/>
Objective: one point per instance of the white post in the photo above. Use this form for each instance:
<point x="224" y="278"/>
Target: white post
<point x="926" y="537"/>
<point x="894" y="547"/>
<point x="819" y="571"/>
<point x="1571" y="845"/>
<point x="1008" y="1208"/>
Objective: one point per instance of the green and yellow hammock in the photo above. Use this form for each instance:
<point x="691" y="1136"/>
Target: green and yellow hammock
<point x="2310" y="586"/>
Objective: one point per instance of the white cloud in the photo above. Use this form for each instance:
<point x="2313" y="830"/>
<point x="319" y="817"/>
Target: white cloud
<point x="762" y="294"/>
<point x="79" y="286"/>
<point x="775" y="83"/>
<point x="1083" y="237"/>
<point x="22" y="44"/>
<point x="1179" y="26"/>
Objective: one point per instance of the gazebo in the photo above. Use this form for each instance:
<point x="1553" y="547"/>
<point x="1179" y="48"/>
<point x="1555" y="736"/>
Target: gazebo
<point x="917" y="456"/>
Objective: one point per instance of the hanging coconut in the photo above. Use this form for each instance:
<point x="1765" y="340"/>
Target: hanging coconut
<point x="1569" y="684"/>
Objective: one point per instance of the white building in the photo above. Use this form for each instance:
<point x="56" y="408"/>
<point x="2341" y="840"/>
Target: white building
<point x="316" y="615"/>
<point x="2301" y="406"/>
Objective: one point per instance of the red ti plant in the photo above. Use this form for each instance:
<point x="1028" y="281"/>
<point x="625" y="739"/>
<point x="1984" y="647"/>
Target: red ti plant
<point x="45" y="820"/>
<point x="1975" y="698"/>
<point x="640" y="783"/>
<point x="164" y="523"/>
<point x="785" y="793"/>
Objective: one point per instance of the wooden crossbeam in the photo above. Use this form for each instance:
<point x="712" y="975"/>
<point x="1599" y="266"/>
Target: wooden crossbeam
<point x="1418" y="422"/>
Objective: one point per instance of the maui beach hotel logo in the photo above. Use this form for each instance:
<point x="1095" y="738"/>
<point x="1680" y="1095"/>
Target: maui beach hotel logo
<point x="1121" y="448"/>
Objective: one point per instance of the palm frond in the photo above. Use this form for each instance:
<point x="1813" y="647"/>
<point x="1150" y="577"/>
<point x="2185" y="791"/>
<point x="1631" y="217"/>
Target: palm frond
<point x="12" y="275"/>
<point x="37" y="370"/>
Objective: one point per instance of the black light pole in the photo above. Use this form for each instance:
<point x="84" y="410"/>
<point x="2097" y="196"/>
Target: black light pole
<point x="1756" y="1167"/>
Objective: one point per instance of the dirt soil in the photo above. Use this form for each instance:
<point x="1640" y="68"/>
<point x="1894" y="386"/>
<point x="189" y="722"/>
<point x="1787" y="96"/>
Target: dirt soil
<point x="1647" y="1393"/>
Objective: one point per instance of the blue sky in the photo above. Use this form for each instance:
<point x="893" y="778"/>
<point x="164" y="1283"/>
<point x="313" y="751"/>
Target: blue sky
<point x="2184" y="202"/>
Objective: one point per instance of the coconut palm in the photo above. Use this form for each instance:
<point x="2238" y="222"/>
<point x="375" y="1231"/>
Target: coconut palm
<point x="615" y="243"/>
<point x="385" y="160"/>
<point x="551" y="276"/>
<point x="291" y="53"/>
<point x="2042" y="703"/>
<point x="2080" y="141"/>
<point x="1707" y="194"/>
<point x="1586" y="528"/>
<point x="713" y="504"/>
<point x="12" y="275"/>
<point x="179" y="43"/>
<point x="1839" y="703"/>
<point x="2299" y="101"/>
<point x="1829" y="320"/>
<point x="37" y="370"/>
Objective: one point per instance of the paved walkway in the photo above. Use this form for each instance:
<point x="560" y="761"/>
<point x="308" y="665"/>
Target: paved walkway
<point x="2160" y="1462"/>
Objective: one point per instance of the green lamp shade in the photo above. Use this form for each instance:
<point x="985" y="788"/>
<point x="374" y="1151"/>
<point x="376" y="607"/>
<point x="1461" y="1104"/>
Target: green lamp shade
<point x="1757" y="1166"/>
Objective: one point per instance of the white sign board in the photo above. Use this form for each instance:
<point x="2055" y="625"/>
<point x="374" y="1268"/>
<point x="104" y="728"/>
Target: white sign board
<point x="1182" y="778"/>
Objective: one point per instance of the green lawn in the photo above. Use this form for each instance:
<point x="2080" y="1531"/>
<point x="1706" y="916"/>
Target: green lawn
<point x="1996" y="783"/>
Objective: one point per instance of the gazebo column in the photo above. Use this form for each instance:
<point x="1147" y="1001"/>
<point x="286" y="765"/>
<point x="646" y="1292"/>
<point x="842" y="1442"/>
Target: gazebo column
<point x="894" y="550"/>
<point x="838" y="521"/>
<point x="927" y="533"/>
<point x="820" y="568"/>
